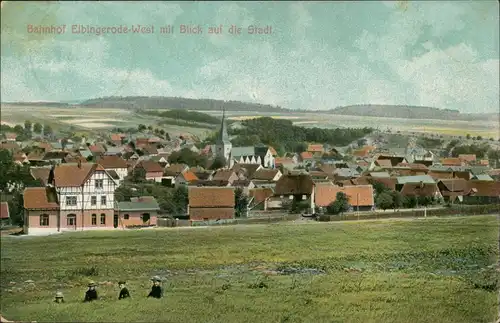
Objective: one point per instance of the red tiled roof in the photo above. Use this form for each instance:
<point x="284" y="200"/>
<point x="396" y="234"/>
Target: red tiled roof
<point x="417" y="189"/>
<point x="150" y="166"/>
<point x="315" y="148"/>
<point x="283" y="160"/>
<point x="485" y="188"/>
<point x="223" y="175"/>
<point x="273" y="151"/>
<point x="40" y="198"/>
<point x="265" y="174"/>
<point x="189" y="176"/>
<point x="73" y="175"/>
<point x="451" y="162"/>
<point x="467" y="157"/>
<point x="260" y="194"/>
<point x="97" y="148"/>
<point x="359" y="195"/>
<point x="306" y="155"/>
<point x="4" y="210"/>
<point x="294" y="184"/>
<point x="111" y="162"/>
<point x="211" y="197"/>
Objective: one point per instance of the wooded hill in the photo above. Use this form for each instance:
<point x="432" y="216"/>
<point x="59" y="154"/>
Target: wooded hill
<point x="407" y="112"/>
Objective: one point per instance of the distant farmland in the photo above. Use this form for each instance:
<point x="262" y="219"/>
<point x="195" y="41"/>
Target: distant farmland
<point x="99" y="119"/>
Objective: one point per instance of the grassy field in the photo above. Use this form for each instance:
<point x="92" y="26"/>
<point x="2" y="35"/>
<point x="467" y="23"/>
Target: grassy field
<point x="429" y="270"/>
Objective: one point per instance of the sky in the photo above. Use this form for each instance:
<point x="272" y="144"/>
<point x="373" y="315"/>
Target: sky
<point x="320" y="55"/>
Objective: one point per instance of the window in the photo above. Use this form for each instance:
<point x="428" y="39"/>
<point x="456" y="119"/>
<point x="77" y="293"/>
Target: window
<point x="126" y="216"/>
<point x="103" y="200"/>
<point x="71" y="219"/>
<point x="99" y="183"/>
<point x="103" y="218"/>
<point x="94" y="219"/>
<point x="44" y="220"/>
<point x="71" y="200"/>
<point x="93" y="200"/>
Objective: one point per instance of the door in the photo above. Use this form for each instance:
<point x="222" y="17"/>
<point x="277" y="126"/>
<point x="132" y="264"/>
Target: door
<point x="115" y="221"/>
<point x="71" y="221"/>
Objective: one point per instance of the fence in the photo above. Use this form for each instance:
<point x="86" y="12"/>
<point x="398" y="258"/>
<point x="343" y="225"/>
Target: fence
<point x="271" y="218"/>
<point x="455" y="210"/>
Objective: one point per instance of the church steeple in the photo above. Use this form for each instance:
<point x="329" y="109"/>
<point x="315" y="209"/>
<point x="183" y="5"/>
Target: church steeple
<point x="223" y="137"/>
<point x="223" y="145"/>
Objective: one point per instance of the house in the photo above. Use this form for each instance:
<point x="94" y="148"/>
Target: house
<point x="293" y="187"/>
<point x="54" y="157"/>
<point x="225" y="175"/>
<point x="467" y="158"/>
<point x="452" y="162"/>
<point x="244" y="184"/>
<point x="83" y="192"/>
<point x="259" y="198"/>
<point x="97" y="150"/>
<point x="41" y="211"/>
<point x="41" y="174"/>
<point x="10" y="145"/>
<point x="10" y="136"/>
<point x="211" y="203"/>
<point x="139" y="211"/>
<point x="272" y="175"/>
<point x="4" y="213"/>
<point x="382" y="160"/>
<point x="246" y="170"/>
<point x="114" y="163"/>
<point x="360" y="196"/>
<point x="483" y="192"/>
<point x="20" y="158"/>
<point x="171" y="172"/>
<point x="154" y="171"/>
<point x="118" y="151"/>
<point x="452" y="189"/>
<point x="185" y="178"/>
<point x="420" y="189"/>
<point x="315" y="149"/>
<point x="118" y="138"/>
<point x="306" y="157"/>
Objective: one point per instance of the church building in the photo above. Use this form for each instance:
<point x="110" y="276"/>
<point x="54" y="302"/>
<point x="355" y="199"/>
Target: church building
<point x="259" y="154"/>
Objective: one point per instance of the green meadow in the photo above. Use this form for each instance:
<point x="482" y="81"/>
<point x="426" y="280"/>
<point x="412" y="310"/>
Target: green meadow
<point x="423" y="270"/>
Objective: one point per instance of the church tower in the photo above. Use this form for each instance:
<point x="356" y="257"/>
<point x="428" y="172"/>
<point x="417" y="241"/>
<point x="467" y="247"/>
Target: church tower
<point x="223" y="146"/>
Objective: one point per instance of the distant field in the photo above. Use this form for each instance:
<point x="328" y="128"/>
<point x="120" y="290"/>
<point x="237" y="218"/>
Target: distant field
<point x="419" y="271"/>
<point x="88" y="119"/>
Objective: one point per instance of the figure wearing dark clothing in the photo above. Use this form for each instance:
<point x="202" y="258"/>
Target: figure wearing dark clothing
<point x="91" y="293"/>
<point x="123" y="291"/>
<point x="156" y="291"/>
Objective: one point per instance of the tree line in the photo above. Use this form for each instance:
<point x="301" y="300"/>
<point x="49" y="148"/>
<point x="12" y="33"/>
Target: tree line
<point x="284" y="136"/>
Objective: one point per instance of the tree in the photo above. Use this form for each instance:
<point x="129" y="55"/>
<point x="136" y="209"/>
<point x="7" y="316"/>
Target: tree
<point x="479" y="138"/>
<point x="138" y="175"/>
<point x="188" y="157"/>
<point x="397" y="199"/>
<point x="384" y="201"/>
<point x="219" y="162"/>
<point x="378" y="187"/>
<point x="37" y="127"/>
<point x="141" y="127"/>
<point x="27" y="125"/>
<point x="150" y="128"/>
<point x="340" y="205"/>
<point x="47" y="129"/>
<point x="409" y="202"/>
<point x="167" y="136"/>
<point x="240" y="203"/>
<point x="18" y="129"/>
<point x="468" y="136"/>
<point x="64" y="143"/>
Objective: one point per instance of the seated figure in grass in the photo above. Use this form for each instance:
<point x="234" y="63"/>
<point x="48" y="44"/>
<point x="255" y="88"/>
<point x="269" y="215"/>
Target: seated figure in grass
<point x="91" y="294"/>
<point x="59" y="298"/>
<point x="156" y="290"/>
<point x="123" y="290"/>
